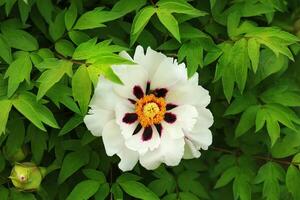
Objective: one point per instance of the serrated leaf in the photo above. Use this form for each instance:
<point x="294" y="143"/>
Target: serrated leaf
<point x="84" y="190"/>
<point x="55" y="72"/>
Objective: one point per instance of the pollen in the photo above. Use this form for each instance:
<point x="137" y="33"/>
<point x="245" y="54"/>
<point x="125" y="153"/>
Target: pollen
<point x="150" y="110"/>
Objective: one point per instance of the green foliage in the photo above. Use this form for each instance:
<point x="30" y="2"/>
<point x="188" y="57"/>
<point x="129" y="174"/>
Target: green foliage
<point x="246" y="53"/>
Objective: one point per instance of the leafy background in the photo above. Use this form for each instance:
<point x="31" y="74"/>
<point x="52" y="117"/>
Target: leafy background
<point x="247" y="55"/>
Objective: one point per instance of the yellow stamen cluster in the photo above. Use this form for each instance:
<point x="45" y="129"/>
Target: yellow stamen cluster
<point x="150" y="110"/>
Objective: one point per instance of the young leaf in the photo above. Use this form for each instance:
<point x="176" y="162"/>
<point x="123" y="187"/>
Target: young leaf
<point x="140" y="21"/>
<point x="53" y="75"/>
<point x="18" y="71"/>
<point x="82" y="88"/>
<point x="169" y="21"/>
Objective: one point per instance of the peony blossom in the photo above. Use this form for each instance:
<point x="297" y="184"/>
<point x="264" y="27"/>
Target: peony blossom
<point x="156" y="116"/>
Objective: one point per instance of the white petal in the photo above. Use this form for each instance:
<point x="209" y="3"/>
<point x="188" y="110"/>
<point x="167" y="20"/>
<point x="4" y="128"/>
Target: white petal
<point x="121" y="109"/>
<point x="136" y="142"/>
<point x="104" y="96"/>
<point x="128" y="158"/>
<point x="96" y="119"/>
<point x="201" y="138"/>
<point x="186" y="116"/>
<point x="131" y="76"/>
<point x="167" y="74"/>
<point x="173" y="130"/>
<point x="112" y="138"/>
<point x="205" y="118"/>
<point x="181" y="94"/>
<point x="170" y="152"/>
<point x="150" y="61"/>
<point x="125" y="55"/>
<point x="190" y="151"/>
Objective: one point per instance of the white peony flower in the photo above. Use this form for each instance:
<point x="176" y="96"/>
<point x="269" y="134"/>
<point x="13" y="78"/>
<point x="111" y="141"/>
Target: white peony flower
<point x="157" y="116"/>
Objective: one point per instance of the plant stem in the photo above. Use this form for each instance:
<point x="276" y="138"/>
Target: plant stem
<point x="284" y="162"/>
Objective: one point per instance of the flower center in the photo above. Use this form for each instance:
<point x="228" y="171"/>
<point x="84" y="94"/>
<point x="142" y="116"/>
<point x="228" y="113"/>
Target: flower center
<point x="150" y="110"/>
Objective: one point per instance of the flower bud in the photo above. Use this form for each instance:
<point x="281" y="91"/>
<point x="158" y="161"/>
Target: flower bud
<point x="27" y="176"/>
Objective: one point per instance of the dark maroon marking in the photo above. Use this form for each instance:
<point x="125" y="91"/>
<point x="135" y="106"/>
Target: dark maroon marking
<point x="159" y="128"/>
<point x="148" y="88"/>
<point x="170" y="117"/>
<point x="129" y="118"/>
<point x="138" y="92"/>
<point x="170" y="106"/>
<point x="137" y="129"/>
<point x="147" y="134"/>
<point x="161" y="92"/>
<point x="132" y="101"/>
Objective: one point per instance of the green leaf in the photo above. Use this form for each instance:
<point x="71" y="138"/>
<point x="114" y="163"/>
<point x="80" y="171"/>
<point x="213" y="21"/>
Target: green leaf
<point x="74" y="121"/>
<point x="94" y="175"/>
<point x="82" y="88"/>
<point x="72" y="163"/>
<point x="293" y="181"/>
<point x="38" y="140"/>
<point x="138" y="190"/>
<point x="179" y="7"/>
<point x="70" y="16"/>
<point x="20" y="39"/>
<point x="140" y="21"/>
<point x="247" y="120"/>
<point x="169" y="21"/>
<point x="18" y="71"/>
<point x="24" y="9"/>
<point x="226" y="177"/>
<point x="270" y="174"/>
<point x="4" y="192"/>
<point x="37" y="113"/>
<point x="5" y="51"/>
<point x="64" y="47"/>
<point x="254" y="52"/>
<point x="9" y="5"/>
<point x="46" y="9"/>
<point x="241" y="103"/>
<point x="57" y="27"/>
<point x="55" y="72"/>
<point x="84" y="190"/>
<point x="5" y="106"/>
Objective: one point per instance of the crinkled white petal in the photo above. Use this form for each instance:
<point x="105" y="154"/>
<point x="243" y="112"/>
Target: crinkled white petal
<point x="186" y="116"/>
<point x="168" y="73"/>
<point x="104" y="97"/>
<point x="130" y="76"/>
<point x="125" y="55"/>
<point x="184" y="93"/>
<point x="128" y="158"/>
<point x="136" y="142"/>
<point x="150" y="61"/>
<point x="121" y="109"/>
<point x="112" y="138"/>
<point x="96" y="119"/>
<point x="170" y="152"/>
<point x="205" y="118"/>
<point x="190" y="150"/>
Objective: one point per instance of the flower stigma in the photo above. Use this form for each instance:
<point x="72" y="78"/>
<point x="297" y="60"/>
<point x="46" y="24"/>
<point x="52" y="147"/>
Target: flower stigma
<point x="150" y="110"/>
